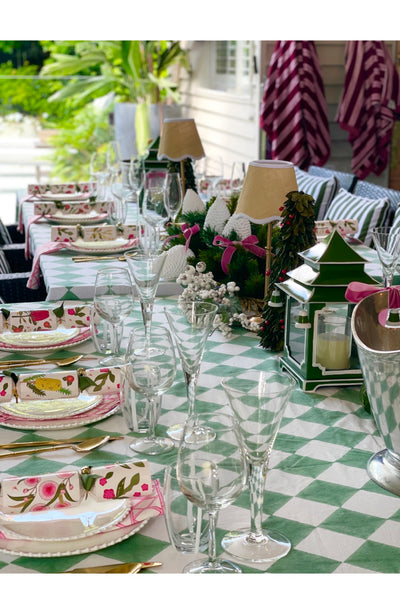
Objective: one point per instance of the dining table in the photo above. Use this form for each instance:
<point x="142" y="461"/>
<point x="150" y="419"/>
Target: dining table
<point x="318" y="492"/>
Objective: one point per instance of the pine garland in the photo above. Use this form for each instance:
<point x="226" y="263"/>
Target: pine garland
<point x="295" y="234"/>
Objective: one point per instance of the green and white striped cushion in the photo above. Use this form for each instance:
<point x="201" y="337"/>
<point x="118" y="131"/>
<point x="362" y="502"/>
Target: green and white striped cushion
<point x="395" y="228"/>
<point x="370" y="213"/>
<point x="322" y="190"/>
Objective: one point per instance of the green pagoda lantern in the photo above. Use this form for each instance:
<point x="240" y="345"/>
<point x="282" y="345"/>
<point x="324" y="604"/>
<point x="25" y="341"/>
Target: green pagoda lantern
<point x="318" y="346"/>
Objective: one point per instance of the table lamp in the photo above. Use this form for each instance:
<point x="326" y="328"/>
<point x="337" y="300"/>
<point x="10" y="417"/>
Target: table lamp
<point x="263" y="194"/>
<point x="179" y="141"/>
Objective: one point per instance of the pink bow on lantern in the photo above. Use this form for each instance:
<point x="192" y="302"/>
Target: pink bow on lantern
<point x="356" y="291"/>
<point x="187" y="234"/>
<point x="249" y="243"/>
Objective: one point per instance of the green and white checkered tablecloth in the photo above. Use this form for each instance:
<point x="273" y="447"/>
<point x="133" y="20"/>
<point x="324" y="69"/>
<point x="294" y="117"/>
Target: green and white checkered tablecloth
<point x="317" y="490"/>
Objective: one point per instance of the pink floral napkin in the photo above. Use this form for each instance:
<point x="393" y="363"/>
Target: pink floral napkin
<point x="34" y="278"/>
<point x="69" y="488"/>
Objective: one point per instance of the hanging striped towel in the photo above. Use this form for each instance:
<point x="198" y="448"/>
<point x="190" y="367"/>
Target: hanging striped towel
<point x="294" y="112"/>
<point x="369" y="104"/>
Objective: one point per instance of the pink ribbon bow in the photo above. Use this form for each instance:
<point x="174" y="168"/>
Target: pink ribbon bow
<point x="188" y="232"/>
<point x="249" y="243"/>
<point x="356" y="291"/>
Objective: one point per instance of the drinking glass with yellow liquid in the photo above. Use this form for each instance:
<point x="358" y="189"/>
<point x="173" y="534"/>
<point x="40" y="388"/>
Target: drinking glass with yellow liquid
<point x="334" y="339"/>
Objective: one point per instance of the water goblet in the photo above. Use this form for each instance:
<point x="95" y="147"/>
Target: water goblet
<point x="214" y="173"/>
<point x="211" y="474"/>
<point x="173" y="195"/>
<point x="146" y="271"/>
<point x="387" y="245"/>
<point x="153" y="210"/>
<point x="117" y="206"/>
<point x="238" y="174"/>
<point x="99" y="173"/>
<point x="190" y="326"/>
<point x="258" y="400"/>
<point x="113" y="301"/>
<point x="151" y="372"/>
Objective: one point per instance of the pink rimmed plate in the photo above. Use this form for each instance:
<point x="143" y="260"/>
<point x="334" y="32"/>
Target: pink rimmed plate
<point x="71" y="219"/>
<point x="63" y="196"/>
<point x="102" y="247"/>
<point x="47" y="341"/>
<point x="108" y="405"/>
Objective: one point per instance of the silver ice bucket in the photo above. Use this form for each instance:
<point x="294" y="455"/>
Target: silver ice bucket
<point x="379" y="354"/>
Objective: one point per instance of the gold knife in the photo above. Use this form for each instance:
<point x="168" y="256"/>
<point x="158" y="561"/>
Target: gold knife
<point x="67" y="441"/>
<point x="121" y="568"/>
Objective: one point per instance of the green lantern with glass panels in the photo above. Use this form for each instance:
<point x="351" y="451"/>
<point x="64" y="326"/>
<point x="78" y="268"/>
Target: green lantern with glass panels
<point x="318" y="347"/>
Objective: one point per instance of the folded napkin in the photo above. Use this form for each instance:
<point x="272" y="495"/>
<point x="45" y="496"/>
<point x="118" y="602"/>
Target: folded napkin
<point x="33" y="219"/>
<point x="69" y="233"/>
<point x="48" y="208"/>
<point x="34" y="278"/>
<point x="54" y="385"/>
<point x="70" y="487"/>
<point x="72" y="316"/>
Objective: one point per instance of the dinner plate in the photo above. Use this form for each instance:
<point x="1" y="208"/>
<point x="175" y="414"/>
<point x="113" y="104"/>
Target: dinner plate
<point x="101" y="247"/>
<point x="50" y="409"/>
<point x="63" y="548"/>
<point x="39" y="338"/>
<point x="71" y="219"/>
<point x="107" y="406"/>
<point x="63" y="196"/>
<point x="65" y="340"/>
<point x="63" y="524"/>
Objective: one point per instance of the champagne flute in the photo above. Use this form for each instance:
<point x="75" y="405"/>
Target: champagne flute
<point x="190" y="325"/>
<point x="146" y="271"/>
<point x="117" y="206"/>
<point x="173" y="197"/>
<point x="99" y="173"/>
<point x="211" y="474"/>
<point x="151" y="372"/>
<point x="258" y="400"/>
<point x="113" y="301"/>
<point x="154" y="212"/>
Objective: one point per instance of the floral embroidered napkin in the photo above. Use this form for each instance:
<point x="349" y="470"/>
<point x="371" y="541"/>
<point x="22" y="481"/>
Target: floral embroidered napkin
<point x="72" y="316"/>
<point x="67" y="233"/>
<point x="49" y="208"/>
<point x="68" y="488"/>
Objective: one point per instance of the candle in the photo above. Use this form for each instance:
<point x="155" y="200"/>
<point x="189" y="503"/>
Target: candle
<point x="333" y="351"/>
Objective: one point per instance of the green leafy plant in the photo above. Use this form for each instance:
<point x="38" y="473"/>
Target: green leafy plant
<point x="133" y="70"/>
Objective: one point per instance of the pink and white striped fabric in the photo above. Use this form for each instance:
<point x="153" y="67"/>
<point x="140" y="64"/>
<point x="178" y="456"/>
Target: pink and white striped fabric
<point x="294" y="112"/>
<point x="369" y="104"/>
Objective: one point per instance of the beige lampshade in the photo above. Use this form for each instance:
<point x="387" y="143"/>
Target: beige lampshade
<point x="180" y="140"/>
<point x="264" y="190"/>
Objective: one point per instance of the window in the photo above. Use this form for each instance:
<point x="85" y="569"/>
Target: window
<point x="232" y="65"/>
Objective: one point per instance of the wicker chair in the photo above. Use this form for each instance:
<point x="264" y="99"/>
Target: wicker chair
<point x="13" y="281"/>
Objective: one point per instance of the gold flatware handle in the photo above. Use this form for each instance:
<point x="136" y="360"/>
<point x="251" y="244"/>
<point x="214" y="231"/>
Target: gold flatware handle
<point x="67" y="441"/>
<point x="35" y="362"/>
<point x="88" y="259"/>
<point x="121" y="568"/>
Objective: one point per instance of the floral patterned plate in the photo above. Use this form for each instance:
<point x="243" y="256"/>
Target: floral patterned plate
<point x="70" y="219"/>
<point x="107" y="406"/>
<point x="50" y="409"/>
<point x="102" y="247"/>
<point x="62" y="196"/>
<point x="66" y="523"/>
<point x="13" y="342"/>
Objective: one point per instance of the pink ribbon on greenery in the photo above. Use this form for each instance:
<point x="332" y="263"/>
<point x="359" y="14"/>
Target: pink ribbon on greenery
<point x="187" y="231"/>
<point x="356" y="291"/>
<point x="249" y="243"/>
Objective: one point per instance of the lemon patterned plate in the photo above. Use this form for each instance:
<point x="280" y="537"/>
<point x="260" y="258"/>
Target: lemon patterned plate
<point x="51" y="409"/>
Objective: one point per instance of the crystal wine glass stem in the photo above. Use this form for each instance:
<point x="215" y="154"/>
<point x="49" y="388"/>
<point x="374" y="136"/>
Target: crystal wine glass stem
<point x="147" y="314"/>
<point x="212" y="542"/>
<point x="152" y="417"/>
<point x="191" y="385"/>
<point x="114" y="339"/>
<point x="257" y="474"/>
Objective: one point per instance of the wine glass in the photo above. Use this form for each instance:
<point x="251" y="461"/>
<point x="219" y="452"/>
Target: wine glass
<point x="153" y="210"/>
<point x="117" y="206"/>
<point x="173" y="195"/>
<point x="146" y="271"/>
<point x="190" y="325"/>
<point x="113" y="301"/>
<point x="151" y="372"/>
<point x="99" y="173"/>
<point x="238" y="173"/>
<point x="113" y="158"/>
<point x="258" y="400"/>
<point x="214" y="173"/>
<point x="387" y="245"/>
<point x="211" y="474"/>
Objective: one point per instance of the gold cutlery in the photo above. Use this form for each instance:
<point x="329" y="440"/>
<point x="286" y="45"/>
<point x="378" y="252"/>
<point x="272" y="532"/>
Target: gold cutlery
<point x="16" y="363"/>
<point x="66" y="441"/>
<point x="121" y="568"/>
<point x="80" y="447"/>
<point x="88" y="259"/>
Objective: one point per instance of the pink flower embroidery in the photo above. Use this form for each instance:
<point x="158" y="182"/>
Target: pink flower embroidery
<point x="71" y="312"/>
<point x="145" y="487"/>
<point x="137" y="493"/>
<point x="3" y="393"/>
<point x="39" y="507"/>
<point x="103" y="481"/>
<point x="47" y="489"/>
<point x="32" y="481"/>
<point x="37" y="316"/>
<point x="108" y="494"/>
